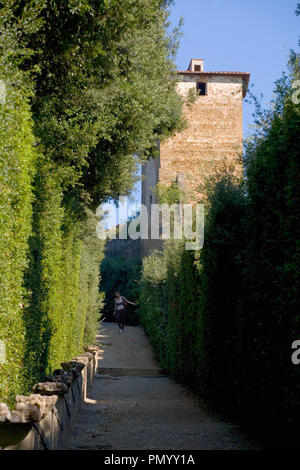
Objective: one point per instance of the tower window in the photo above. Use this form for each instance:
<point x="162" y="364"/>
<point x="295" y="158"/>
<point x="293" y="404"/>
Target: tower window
<point x="197" y="68"/>
<point x="201" y="88"/>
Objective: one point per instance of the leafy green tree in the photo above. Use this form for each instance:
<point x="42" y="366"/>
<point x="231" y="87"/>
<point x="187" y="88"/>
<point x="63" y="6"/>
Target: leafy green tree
<point x="105" y="91"/>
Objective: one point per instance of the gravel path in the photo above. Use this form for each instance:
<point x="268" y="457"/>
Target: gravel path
<point x="133" y="406"/>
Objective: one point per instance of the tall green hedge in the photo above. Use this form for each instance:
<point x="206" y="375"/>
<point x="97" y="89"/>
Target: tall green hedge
<point x="272" y="268"/>
<point x="90" y="302"/>
<point x="17" y="166"/>
<point x="62" y="279"/>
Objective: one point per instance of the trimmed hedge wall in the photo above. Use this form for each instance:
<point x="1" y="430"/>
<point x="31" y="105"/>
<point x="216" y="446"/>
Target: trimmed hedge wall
<point x="49" y="278"/>
<point x="90" y="302"/>
<point x="63" y="280"/>
<point x="17" y="165"/>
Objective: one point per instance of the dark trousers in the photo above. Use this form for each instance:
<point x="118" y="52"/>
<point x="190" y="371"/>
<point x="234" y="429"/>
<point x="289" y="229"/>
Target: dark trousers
<point x="121" y="317"/>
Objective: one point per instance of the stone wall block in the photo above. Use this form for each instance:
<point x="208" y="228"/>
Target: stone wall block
<point x="44" y="419"/>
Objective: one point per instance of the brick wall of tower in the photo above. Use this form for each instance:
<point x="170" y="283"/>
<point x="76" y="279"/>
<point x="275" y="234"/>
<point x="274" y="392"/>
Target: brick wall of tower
<point x="214" y="133"/>
<point x="215" y="130"/>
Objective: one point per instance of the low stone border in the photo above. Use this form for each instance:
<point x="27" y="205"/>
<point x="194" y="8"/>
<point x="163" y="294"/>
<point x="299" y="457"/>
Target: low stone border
<point x="44" y="419"/>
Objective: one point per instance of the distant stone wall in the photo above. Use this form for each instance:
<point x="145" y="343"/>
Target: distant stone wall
<point x="44" y="419"/>
<point x="126" y="248"/>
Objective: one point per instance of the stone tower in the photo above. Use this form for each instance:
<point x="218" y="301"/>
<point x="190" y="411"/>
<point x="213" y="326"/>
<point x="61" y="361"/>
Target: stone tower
<point x="215" y="130"/>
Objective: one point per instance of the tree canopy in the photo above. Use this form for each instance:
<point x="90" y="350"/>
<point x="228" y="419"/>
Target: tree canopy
<point x="105" y="87"/>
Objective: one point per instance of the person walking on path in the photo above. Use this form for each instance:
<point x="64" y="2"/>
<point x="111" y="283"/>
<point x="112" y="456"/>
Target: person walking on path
<point x="120" y="309"/>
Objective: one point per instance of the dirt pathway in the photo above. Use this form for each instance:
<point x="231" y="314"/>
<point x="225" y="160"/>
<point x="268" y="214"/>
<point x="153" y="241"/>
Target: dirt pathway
<point x="133" y="406"/>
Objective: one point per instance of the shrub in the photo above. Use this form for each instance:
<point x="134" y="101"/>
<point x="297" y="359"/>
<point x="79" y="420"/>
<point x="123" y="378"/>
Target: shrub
<point x="271" y="275"/>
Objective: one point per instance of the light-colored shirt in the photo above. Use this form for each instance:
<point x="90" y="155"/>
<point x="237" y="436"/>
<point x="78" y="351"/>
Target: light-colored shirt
<point x="120" y="303"/>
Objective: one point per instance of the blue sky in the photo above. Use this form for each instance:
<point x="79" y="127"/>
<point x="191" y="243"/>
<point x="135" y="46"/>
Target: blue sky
<point x="233" y="35"/>
<point x="253" y="36"/>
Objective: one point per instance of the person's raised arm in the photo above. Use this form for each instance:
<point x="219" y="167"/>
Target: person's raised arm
<point x="128" y="301"/>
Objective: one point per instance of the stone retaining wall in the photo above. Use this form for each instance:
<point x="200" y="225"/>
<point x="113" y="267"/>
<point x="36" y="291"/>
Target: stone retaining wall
<point x="44" y="419"/>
